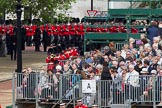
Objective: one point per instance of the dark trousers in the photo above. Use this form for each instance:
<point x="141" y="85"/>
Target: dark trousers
<point x="13" y="53"/>
<point x="29" y="41"/>
<point x="45" y="47"/>
<point x="37" y="45"/>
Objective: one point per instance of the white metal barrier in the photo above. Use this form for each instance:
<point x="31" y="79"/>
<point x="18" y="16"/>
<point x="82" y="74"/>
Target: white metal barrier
<point x="42" y="86"/>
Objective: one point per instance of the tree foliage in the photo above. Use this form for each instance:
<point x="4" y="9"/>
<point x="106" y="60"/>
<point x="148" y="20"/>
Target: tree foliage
<point x="45" y="9"/>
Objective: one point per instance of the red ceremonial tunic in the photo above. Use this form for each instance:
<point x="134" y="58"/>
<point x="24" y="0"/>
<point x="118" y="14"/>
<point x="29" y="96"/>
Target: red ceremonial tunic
<point x="72" y="31"/>
<point x="11" y="30"/>
<point x="59" y="31"/>
<point x="54" y="30"/>
<point x="113" y="29"/>
<point x="81" y="106"/>
<point x="81" y="29"/>
<point x="134" y="30"/>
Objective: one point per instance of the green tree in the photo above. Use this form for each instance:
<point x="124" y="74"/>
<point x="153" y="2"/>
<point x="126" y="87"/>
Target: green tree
<point x="45" y="9"/>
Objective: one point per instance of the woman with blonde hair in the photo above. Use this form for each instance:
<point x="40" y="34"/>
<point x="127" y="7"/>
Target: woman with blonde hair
<point x="131" y="43"/>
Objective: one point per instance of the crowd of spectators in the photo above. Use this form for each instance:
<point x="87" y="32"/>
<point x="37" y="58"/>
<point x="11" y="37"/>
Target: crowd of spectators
<point x="126" y="66"/>
<point x="123" y="67"/>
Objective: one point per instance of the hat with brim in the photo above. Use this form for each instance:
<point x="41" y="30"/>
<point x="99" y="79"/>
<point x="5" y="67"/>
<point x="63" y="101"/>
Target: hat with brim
<point x="94" y="105"/>
<point x="144" y="70"/>
<point x="62" y="104"/>
<point x="154" y="72"/>
<point x="79" y="100"/>
<point x="58" y="67"/>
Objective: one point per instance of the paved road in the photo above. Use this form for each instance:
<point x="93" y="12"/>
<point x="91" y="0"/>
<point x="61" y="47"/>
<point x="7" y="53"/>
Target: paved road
<point x="6" y="85"/>
<point x="30" y="58"/>
<point x="7" y="67"/>
<point x="5" y="93"/>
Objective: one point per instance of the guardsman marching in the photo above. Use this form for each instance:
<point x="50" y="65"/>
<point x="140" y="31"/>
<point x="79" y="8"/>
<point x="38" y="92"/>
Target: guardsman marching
<point x="72" y="34"/>
<point x="29" y="35"/>
<point x="54" y="33"/>
<point x="59" y="33"/>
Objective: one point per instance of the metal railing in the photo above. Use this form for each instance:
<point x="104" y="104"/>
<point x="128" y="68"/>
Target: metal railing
<point x="68" y="88"/>
<point x="5" y="92"/>
<point x="119" y="46"/>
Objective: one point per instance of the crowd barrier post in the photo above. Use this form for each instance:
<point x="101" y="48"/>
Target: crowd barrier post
<point x="73" y="96"/>
<point x="36" y="91"/>
<point x="13" y="90"/>
<point x="60" y="89"/>
<point x="153" y="90"/>
<point x="99" y="94"/>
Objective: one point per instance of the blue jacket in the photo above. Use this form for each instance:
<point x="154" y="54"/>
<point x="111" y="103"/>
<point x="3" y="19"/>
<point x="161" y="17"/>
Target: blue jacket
<point x="152" y="32"/>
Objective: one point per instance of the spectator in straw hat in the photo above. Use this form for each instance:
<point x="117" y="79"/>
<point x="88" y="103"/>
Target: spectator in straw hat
<point x="94" y="106"/>
<point x="144" y="79"/>
<point x="62" y="105"/>
<point x="153" y="72"/>
<point x="58" y="69"/>
<point x="144" y="71"/>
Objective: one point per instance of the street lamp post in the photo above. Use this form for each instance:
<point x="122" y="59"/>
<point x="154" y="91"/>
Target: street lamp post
<point x="19" y="37"/>
<point x="92" y="5"/>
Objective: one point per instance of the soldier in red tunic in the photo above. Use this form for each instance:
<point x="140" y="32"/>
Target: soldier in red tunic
<point x="55" y="34"/>
<point x="80" y="104"/>
<point x="113" y="29"/>
<point x="134" y="30"/>
<point x="50" y="60"/>
<point x="72" y="35"/>
<point x="29" y="34"/>
<point x="59" y="34"/>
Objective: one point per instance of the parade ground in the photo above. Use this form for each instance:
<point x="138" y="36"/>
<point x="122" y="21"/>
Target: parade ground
<point x="30" y="58"/>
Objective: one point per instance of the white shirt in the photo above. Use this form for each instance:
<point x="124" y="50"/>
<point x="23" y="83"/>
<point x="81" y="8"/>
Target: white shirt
<point x="132" y="78"/>
<point x="160" y="62"/>
<point x="123" y="54"/>
<point x="120" y="71"/>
